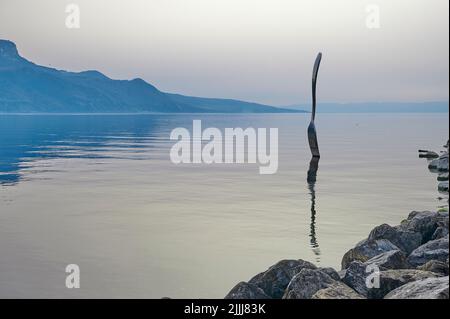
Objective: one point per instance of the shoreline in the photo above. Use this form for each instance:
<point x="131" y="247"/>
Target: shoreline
<point x="406" y="261"/>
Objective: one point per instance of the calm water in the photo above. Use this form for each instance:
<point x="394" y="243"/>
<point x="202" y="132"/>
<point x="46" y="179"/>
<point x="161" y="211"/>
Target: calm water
<point x="101" y="192"/>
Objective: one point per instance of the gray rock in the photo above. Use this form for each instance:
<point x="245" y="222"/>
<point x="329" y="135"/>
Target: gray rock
<point x="433" y="250"/>
<point x="337" y="290"/>
<point x="439" y="164"/>
<point x="394" y="278"/>
<point x="367" y="249"/>
<point x="433" y="165"/>
<point x="442" y="177"/>
<point x="436" y="266"/>
<point x="331" y="272"/>
<point x="404" y="239"/>
<point x="275" y="280"/>
<point x="394" y="259"/>
<point x="356" y="278"/>
<point x="440" y="232"/>
<point x="341" y="273"/>
<point x="245" y="290"/>
<point x="306" y="283"/>
<point x="443" y="222"/>
<point x="442" y="229"/>
<point x="428" y="154"/>
<point x="424" y="223"/>
<point x="443" y="187"/>
<point x="430" y="288"/>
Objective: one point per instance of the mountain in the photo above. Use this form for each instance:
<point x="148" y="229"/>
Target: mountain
<point x="233" y="106"/>
<point x="374" y="107"/>
<point x="29" y="88"/>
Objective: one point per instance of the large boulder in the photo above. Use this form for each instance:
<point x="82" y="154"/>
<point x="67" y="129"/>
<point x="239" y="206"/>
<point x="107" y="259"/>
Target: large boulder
<point x="425" y="223"/>
<point x="433" y="250"/>
<point x="322" y="283"/>
<point x="392" y="279"/>
<point x="342" y="273"/>
<point x="337" y="290"/>
<point x="442" y="177"/>
<point x="428" y="154"/>
<point x="275" y="280"/>
<point x="393" y="259"/>
<point x="306" y="283"/>
<point x="443" y="187"/>
<point x="404" y="239"/>
<point x="430" y="288"/>
<point x="439" y="164"/>
<point x="366" y="250"/>
<point x="331" y="272"/>
<point x="357" y="278"/>
<point x="442" y="229"/>
<point x="436" y="266"/>
<point x="244" y="290"/>
<point x="440" y="232"/>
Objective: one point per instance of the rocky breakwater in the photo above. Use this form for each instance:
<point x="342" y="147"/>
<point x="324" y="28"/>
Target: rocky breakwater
<point x="407" y="261"/>
<point x="438" y="164"/>
<point x="410" y="260"/>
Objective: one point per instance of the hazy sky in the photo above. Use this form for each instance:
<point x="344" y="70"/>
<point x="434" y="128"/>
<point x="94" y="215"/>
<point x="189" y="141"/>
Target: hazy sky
<point x="257" y="50"/>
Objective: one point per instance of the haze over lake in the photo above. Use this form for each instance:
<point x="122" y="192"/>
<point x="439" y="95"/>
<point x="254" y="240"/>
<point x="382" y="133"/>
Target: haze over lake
<point x="100" y="191"/>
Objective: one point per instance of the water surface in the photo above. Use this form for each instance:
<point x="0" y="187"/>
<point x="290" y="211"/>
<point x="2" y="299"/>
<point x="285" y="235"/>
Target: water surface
<point x="100" y="191"/>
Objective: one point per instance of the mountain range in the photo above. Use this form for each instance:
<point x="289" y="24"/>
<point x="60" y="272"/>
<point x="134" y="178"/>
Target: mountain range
<point x="377" y="107"/>
<point x="26" y="87"/>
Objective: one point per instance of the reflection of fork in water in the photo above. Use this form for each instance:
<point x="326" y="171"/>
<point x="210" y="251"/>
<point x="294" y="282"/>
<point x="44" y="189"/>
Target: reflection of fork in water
<point x="311" y="179"/>
<point x="314" y="163"/>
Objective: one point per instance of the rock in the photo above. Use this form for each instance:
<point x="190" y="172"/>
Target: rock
<point x="394" y="278"/>
<point x="404" y="239"/>
<point x="306" y="283"/>
<point x="433" y="165"/>
<point x="337" y="290"/>
<point x="394" y="259"/>
<point x="433" y="250"/>
<point x="331" y="272"/>
<point x="439" y="164"/>
<point x="245" y="290"/>
<point x="367" y="249"/>
<point x="443" y="221"/>
<point x="358" y="279"/>
<point x="430" y="288"/>
<point x="355" y="277"/>
<point x="275" y="280"/>
<point x="428" y="154"/>
<point x="443" y="187"/>
<point x="424" y="223"/>
<point x="436" y="266"/>
<point x="440" y="232"/>
<point x="342" y="273"/>
<point x="442" y="177"/>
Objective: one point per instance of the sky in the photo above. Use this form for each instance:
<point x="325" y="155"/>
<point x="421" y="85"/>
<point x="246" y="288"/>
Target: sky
<point x="253" y="50"/>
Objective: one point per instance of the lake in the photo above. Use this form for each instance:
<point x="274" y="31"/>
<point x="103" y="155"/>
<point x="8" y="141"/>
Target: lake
<point x="101" y="192"/>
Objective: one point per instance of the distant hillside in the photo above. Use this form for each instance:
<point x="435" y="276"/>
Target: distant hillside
<point x="218" y="105"/>
<point x="28" y="88"/>
<point x="372" y="107"/>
